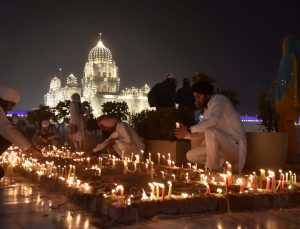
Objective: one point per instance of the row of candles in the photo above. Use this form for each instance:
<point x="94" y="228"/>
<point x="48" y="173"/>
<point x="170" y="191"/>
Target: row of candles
<point x="68" y="173"/>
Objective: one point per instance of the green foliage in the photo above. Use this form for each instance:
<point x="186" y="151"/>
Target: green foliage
<point x="62" y="112"/>
<point x="36" y="116"/>
<point x="202" y="76"/>
<point x="230" y="94"/>
<point x="117" y="109"/>
<point x="159" y="124"/>
<point x="267" y="113"/>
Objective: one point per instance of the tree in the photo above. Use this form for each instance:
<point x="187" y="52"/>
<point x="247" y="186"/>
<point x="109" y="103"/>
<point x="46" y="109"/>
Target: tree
<point x="62" y="112"/>
<point x="117" y="109"/>
<point x="43" y="112"/>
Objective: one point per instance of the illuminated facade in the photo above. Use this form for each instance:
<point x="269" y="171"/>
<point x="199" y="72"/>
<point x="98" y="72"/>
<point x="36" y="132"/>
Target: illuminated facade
<point x="100" y="83"/>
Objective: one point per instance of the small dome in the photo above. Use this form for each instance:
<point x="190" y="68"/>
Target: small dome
<point x="72" y="81"/>
<point x="55" y="83"/>
<point x="100" y="54"/>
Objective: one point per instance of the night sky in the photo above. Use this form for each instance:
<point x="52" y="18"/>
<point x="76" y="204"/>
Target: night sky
<point x="237" y="42"/>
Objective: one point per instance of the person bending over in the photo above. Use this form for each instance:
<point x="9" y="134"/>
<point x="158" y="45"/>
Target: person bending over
<point x="123" y="140"/>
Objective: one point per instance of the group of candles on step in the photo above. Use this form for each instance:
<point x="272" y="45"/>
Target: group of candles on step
<point x="265" y="181"/>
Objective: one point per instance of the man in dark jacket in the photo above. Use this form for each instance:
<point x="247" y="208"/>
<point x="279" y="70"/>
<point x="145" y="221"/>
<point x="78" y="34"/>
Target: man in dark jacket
<point x="185" y="97"/>
<point x="164" y="93"/>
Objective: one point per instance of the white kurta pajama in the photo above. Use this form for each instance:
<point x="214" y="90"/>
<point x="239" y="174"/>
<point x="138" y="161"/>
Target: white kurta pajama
<point x="224" y="135"/>
<point x="77" y="118"/>
<point x="10" y="133"/>
<point x="126" y="140"/>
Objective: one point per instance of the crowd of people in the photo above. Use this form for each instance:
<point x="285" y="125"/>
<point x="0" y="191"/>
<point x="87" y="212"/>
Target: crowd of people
<point x="219" y="130"/>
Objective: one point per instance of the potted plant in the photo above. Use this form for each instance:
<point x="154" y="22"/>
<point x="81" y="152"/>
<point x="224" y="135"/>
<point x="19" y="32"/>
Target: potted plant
<point x="267" y="148"/>
<point x="157" y="128"/>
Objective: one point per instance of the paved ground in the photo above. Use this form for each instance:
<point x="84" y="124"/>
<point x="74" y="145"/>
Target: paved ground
<point x="25" y="205"/>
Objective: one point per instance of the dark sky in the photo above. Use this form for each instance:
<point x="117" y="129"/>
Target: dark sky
<point x="237" y="42"/>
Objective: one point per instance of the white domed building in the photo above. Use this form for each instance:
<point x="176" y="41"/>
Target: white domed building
<point x="100" y="83"/>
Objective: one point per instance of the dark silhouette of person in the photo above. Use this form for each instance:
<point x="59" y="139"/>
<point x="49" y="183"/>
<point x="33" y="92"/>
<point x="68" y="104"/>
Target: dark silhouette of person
<point x="165" y="92"/>
<point x="185" y="97"/>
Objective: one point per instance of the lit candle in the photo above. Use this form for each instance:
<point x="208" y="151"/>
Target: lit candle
<point x="254" y="182"/>
<point x="189" y="165"/>
<point x="158" y="158"/>
<point x="207" y="189"/>
<point x="273" y="183"/>
<point x="152" y="191"/>
<point x="170" y="189"/>
<point x="268" y="183"/>
<point x="242" y="185"/>
<point x="174" y="177"/>
<point x="137" y="158"/>
<point x="163" y="189"/>
<point x="74" y="171"/>
<point x="163" y="159"/>
<point x="151" y="169"/>
<point x="281" y="181"/>
<point x="70" y="169"/>
<point x="228" y="167"/>
<point x="125" y="167"/>
<point x="173" y="163"/>
<point x="157" y="190"/>
<point x="162" y="174"/>
<point x="177" y="125"/>
<point x="169" y="163"/>
<point x="113" y="160"/>
<point x="187" y="177"/>
<point x="100" y="162"/>
<point x="149" y="156"/>
<point x="121" y="188"/>
<point x="195" y="167"/>
<point x="122" y="155"/>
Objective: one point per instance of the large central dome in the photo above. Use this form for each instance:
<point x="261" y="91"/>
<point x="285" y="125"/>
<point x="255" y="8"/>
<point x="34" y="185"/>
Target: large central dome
<point x="100" y="54"/>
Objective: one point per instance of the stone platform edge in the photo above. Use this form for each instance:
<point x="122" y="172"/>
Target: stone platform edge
<point x="102" y="206"/>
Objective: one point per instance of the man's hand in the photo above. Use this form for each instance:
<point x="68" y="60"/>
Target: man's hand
<point x="181" y="132"/>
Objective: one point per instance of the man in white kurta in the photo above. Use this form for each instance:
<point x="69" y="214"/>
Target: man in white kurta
<point x="124" y="139"/>
<point x="77" y="119"/>
<point x="221" y="131"/>
<point x="9" y="97"/>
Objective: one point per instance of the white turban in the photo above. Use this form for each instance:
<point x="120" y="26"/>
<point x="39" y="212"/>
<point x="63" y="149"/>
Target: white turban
<point x="108" y="122"/>
<point x="9" y="94"/>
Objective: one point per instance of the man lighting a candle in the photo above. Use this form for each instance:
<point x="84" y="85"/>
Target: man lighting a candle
<point x="46" y="134"/>
<point x="9" y="135"/>
<point x="220" y="130"/>
<point x="122" y="138"/>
